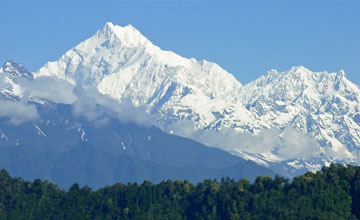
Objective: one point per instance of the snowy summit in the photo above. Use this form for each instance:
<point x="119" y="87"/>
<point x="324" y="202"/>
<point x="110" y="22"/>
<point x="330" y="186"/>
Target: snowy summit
<point x="122" y="63"/>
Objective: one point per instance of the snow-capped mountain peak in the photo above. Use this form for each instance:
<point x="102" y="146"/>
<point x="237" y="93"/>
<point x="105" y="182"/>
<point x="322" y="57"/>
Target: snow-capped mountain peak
<point x="340" y="76"/>
<point x="129" y="35"/>
<point x="320" y="104"/>
<point x="124" y="64"/>
<point x="10" y="73"/>
<point x="14" y="70"/>
<point x="341" y="73"/>
<point x="299" y="69"/>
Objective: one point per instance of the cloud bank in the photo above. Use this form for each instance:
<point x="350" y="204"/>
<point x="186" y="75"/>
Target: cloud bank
<point x="287" y="143"/>
<point x="86" y="102"/>
<point x="50" y="88"/>
<point x="99" y="108"/>
<point x="18" y="112"/>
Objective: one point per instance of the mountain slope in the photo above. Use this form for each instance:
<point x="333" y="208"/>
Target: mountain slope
<point x="96" y="146"/>
<point x="64" y="149"/>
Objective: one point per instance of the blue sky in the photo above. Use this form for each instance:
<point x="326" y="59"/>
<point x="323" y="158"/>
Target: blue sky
<point x="247" y="38"/>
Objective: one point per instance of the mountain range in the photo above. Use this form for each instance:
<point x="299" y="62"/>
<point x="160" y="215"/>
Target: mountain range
<point x="287" y="121"/>
<point x="91" y="144"/>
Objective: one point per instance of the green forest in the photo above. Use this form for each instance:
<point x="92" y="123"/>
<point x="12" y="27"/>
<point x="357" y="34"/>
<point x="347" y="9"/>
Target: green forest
<point x="331" y="193"/>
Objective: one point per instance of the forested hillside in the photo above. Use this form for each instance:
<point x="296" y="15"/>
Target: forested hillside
<point x="332" y="193"/>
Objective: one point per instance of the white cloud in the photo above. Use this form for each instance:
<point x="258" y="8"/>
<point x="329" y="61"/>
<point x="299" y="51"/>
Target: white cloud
<point x="87" y="102"/>
<point x="4" y="82"/>
<point x="50" y="88"/>
<point x="99" y="108"/>
<point x="18" y="112"/>
<point x="297" y="144"/>
<point x="287" y="143"/>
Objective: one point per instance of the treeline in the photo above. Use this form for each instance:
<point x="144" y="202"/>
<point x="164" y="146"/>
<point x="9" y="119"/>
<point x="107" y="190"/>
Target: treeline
<point x="332" y="193"/>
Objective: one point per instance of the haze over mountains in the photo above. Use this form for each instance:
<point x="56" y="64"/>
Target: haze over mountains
<point x="288" y="121"/>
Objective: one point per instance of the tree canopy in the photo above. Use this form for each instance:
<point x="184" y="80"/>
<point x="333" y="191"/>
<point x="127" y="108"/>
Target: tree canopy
<point x="332" y="193"/>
